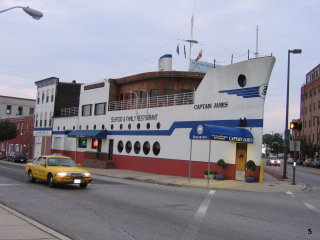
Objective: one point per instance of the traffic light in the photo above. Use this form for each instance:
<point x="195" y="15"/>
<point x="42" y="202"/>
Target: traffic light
<point x="296" y="126"/>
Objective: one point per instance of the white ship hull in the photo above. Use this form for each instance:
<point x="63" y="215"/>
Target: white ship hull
<point x="227" y="99"/>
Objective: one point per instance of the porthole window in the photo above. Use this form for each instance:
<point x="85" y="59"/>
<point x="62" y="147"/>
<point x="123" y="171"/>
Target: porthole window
<point x="102" y="126"/>
<point x="121" y="126"/>
<point x="148" y="125"/>
<point x="64" y="128"/>
<point x="128" y="147"/>
<point x="74" y="128"/>
<point x="129" y="126"/>
<point x="80" y="127"/>
<point x="242" y="80"/>
<point x="87" y="127"/>
<point x="137" y="147"/>
<point x="156" y="148"/>
<point x="94" y="127"/>
<point x="138" y="126"/>
<point x="58" y="128"/>
<point x="158" y="125"/>
<point x="146" y="148"/>
<point x="120" y="146"/>
<point x="111" y="127"/>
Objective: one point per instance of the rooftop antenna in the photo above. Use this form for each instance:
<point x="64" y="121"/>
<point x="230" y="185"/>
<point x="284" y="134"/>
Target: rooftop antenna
<point x="257" y="41"/>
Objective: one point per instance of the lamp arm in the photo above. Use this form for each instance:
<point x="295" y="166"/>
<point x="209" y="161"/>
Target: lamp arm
<point x="1" y="11"/>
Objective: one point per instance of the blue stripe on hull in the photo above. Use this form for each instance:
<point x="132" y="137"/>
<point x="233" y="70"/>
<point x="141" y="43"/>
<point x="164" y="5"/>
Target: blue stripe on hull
<point x="187" y="124"/>
<point x="190" y="124"/>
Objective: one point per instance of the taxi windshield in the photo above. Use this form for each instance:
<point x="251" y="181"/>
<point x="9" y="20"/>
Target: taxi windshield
<point x="66" y="162"/>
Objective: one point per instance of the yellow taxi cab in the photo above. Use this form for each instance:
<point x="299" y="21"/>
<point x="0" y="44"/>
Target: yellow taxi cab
<point x="57" y="169"/>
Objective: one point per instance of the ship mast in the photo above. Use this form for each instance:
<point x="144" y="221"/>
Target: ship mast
<point x="191" y="40"/>
<point x="257" y="40"/>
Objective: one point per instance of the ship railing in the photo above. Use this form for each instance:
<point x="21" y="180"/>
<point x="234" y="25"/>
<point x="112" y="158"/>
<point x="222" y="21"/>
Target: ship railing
<point x="72" y="111"/>
<point x="152" y="102"/>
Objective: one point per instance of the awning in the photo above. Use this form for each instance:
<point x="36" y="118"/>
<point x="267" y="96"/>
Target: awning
<point x="220" y="133"/>
<point x="97" y="134"/>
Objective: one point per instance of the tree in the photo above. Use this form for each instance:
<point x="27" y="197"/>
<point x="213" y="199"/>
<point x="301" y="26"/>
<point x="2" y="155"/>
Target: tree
<point x="274" y="142"/>
<point x="8" y="130"/>
<point x="307" y="148"/>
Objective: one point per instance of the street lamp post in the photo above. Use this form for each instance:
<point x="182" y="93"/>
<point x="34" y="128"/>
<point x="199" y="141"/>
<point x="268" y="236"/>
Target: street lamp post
<point x="32" y="12"/>
<point x="287" y="131"/>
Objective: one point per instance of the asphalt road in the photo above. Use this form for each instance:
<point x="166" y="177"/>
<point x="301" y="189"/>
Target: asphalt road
<point x="120" y="209"/>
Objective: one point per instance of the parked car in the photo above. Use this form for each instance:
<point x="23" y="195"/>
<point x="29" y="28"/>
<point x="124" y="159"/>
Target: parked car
<point x="290" y="160"/>
<point x="273" y="161"/>
<point x="316" y="163"/>
<point x="17" y="157"/>
<point x="57" y="169"/>
<point x="307" y="163"/>
<point x="299" y="162"/>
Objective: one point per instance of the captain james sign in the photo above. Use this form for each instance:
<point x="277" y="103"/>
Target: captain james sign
<point x="220" y="133"/>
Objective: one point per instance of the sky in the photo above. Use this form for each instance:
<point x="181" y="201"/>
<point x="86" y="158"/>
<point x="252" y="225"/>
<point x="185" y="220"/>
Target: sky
<point x="92" y="40"/>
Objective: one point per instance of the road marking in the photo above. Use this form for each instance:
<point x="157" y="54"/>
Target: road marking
<point x="194" y="226"/>
<point x="290" y="194"/>
<point x="202" y="210"/>
<point x="308" y="205"/>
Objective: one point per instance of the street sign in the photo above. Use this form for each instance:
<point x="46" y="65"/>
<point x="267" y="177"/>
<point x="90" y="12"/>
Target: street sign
<point x="295" y="146"/>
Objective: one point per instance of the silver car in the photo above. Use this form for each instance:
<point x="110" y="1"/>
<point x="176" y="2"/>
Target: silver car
<point x="273" y="161"/>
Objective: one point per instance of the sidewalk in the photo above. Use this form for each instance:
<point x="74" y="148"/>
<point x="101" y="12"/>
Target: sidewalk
<point x="270" y="184"/>
<point x="14" y="225"/>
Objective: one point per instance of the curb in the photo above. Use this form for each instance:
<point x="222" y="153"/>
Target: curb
<point x="206" y="187"/>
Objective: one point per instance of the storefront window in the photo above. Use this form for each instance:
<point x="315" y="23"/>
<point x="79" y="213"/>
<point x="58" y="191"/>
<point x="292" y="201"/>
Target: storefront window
<point x="137" y="147"/>
<point x="156" y="148"/>
<point x="146" y="148"/>
<point x="120" y="146"/>
<point x="128" y="147"/>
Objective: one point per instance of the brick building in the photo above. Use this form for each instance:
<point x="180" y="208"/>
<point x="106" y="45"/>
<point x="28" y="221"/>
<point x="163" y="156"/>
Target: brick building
<point x="310" y="106"/>
<point x="24" y="140"/>
<point x="19" y="111"/>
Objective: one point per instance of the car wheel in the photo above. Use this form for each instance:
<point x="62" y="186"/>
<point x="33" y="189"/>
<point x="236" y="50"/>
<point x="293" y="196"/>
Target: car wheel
<point x="51" y="180"/>
<point x="30" y="177"/>
<point x="83" y="185"/>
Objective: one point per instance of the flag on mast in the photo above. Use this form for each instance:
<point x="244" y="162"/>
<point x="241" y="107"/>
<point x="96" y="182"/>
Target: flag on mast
<point x="199" y="56"/>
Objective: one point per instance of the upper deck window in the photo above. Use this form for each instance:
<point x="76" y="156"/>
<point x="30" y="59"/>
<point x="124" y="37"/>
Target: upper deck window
<point x="100" y="109"/>
<point x="86" y="110"/>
